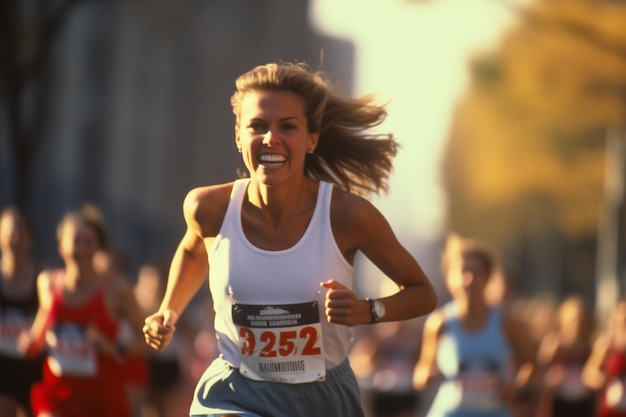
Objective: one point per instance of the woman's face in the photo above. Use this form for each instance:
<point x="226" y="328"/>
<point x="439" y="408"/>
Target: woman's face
<point x="572" y="319"/>
<point x="273" y="135"/>
<point x="467" y="277"/>
<point x="14" y="235"/>
<point x="78" y="243"/>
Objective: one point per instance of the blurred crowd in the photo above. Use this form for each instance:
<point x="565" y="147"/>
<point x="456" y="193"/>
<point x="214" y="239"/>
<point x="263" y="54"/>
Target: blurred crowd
<point x="83" y="319"/>
<point x="564" y="362"/>
<point x="53" y="328"/>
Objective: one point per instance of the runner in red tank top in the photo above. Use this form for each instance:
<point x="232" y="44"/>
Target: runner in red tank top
<point x="77" y="321"/>
<point x="606" y="368"/>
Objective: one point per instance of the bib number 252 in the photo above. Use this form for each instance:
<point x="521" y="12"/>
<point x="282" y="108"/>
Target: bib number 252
<point x="279" y="343"/>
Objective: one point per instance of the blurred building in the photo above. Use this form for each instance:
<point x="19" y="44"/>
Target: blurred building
<point x="126" y="104"/>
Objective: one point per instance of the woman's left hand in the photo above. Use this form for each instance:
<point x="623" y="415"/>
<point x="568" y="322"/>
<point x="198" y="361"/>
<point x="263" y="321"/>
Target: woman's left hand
<point x="342" y="306"/>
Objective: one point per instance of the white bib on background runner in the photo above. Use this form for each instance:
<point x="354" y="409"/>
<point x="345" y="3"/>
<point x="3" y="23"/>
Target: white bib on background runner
<point x="12" y="323"/>
<point x="71" y="354"/>
<point x="615" y="395"/>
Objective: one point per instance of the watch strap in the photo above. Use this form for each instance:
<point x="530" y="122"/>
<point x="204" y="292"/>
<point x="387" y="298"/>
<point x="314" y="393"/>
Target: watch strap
<point x="372" y="303"/>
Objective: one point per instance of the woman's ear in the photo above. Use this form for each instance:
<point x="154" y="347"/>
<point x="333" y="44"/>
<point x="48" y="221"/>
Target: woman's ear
<point x="313" y="139"/>
<point x="237" y="139"/>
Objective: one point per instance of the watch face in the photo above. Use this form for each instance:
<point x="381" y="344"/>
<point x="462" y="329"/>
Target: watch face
<point x="379" y="309"/>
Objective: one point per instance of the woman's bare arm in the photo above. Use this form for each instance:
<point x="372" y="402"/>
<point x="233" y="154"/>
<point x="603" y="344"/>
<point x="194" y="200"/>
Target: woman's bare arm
<point x="426" y="368"/>
<point x="359" y="226"/>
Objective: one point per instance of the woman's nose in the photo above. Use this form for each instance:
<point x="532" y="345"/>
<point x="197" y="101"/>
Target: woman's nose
<point x="270" y="137"/>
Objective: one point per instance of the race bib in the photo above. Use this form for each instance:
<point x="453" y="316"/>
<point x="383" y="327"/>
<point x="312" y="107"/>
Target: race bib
<point x="480" y="390"/>
<point x="12" y="323"/>
<point x="280" y="343"/>
<point x="70" y="351"/>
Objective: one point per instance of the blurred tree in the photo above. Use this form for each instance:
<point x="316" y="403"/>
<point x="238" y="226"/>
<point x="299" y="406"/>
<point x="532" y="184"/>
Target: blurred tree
<point x="524" y="165"/>
<point x="28" y="31"/>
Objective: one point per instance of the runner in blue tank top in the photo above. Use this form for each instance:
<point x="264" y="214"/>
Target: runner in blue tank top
<point x="279" y="247"/>
<point x="483" y="355"/>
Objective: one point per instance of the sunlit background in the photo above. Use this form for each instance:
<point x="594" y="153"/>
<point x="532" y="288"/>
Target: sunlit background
<point x="396" y="58"/>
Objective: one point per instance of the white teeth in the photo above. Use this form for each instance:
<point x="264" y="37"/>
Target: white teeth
<point x="271" y="158"/>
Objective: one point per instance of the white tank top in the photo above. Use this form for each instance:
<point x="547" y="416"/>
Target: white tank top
<point x="241" y="273"/>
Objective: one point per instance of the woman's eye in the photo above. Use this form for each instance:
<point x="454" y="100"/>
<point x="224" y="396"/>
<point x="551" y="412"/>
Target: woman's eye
<point x="257" y="127"/>
<point x="289" y="127"/>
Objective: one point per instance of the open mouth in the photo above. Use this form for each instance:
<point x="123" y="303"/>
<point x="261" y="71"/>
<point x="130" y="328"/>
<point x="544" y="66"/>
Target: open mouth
<point x="272" y="160"/>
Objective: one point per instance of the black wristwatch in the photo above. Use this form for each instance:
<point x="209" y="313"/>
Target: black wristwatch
<point x="377" y="309"/>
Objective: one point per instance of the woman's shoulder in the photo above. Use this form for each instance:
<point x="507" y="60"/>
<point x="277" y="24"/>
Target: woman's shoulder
<point x="206" y="206"/>
<point x="208" y="195"/>
<point x="355" y="220"/>
<point x="435" y="323"/>
<point x="48" y="281"/>
<point x="548" y="347"/>
<point x="346" y="197"/>
<point x="49" y="278"/>
<point x="603" y="342"/>
<point x="350" y="207"/>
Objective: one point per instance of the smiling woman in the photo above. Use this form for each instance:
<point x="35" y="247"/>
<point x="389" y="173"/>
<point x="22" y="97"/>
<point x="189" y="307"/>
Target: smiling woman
<point x="274" y="135"/>
<point x="340" y="124"/>
<point x="281" y="245"/>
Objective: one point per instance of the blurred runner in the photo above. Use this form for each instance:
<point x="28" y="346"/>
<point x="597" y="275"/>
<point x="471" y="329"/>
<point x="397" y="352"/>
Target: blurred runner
<point x="77" y="321"/>
<point x="476" y="347"/>
<point x="18" y="306"/>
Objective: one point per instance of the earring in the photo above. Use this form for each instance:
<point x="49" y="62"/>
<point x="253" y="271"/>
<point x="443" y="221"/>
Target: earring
<point x="311" y="151"/>
<point x="239" y="149"/>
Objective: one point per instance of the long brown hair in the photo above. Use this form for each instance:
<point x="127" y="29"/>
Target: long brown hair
<point x="347" y="154"/>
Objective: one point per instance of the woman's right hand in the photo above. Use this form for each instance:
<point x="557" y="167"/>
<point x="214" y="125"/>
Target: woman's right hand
<point x="26" y="344"/>
<point x="159" y="329"/>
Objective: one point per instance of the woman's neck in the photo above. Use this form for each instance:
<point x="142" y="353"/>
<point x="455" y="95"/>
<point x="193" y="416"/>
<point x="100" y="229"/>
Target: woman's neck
<point x="15" y="267"/>
<point x="573" y="339"/>
<point x="473" y="313"/>
<point x="77" y="277"/>
<point x="283" y="201"/>
<point x="17" y="275"/>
